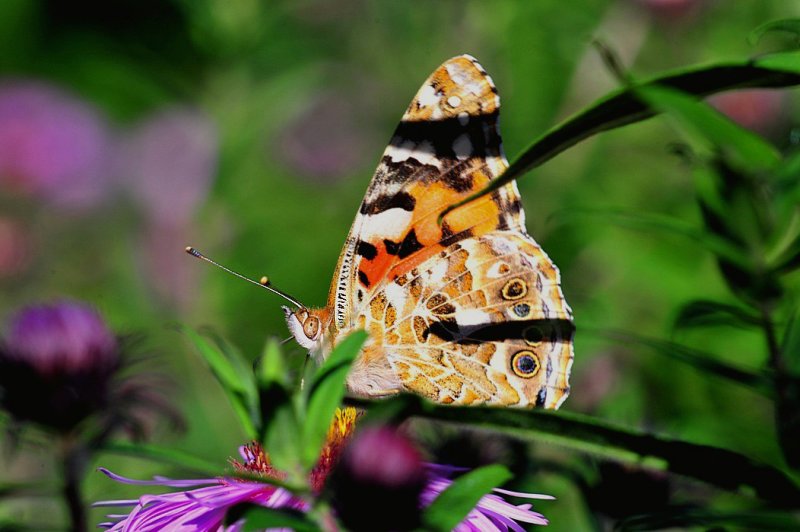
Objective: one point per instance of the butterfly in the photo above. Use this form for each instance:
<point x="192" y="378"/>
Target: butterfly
<point x="466" y="311"/>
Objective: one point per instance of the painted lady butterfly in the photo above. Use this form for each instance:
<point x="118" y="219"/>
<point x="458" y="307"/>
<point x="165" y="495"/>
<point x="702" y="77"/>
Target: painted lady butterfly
<point x="466" y="312"/>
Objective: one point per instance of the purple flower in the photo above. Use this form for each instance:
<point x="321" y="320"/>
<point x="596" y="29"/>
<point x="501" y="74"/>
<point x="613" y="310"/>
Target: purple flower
<point x="203" y="504"/>
<point x="763" y="111"/>
<point x="167" y="163"/>
<point x="52" y="145"/>
<point x="201" y="509"/>
<point x="55" y="364"/>
<point x="309" y="146"/>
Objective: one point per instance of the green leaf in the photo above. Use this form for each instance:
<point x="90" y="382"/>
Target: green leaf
<point x="788" y="392"/>
<point x="454" y="503"/>
<point x="240" y="392"/>
<point x="282" y="435"/>
<point x="271" y="366"/>
<point x="701" y="360"/>
<point x="720" y="247"/>
<point x="256" y="517"/>
<point x="722" y="468"/>
<point x="744" y="149"/>
<point x="326" y="392"/>
<point x="393" y="412"/>
<point x="623" y="107"/>
<point x="163" y="455"/>
<point x="787" y="25"/>
<point x="704" y="313"/>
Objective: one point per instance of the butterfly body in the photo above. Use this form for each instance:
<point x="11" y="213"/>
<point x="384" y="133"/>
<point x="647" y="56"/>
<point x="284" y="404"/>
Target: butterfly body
<point x="468" y="311"/>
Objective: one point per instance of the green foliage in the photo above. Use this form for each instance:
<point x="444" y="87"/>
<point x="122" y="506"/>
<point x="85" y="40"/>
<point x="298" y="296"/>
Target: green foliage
<point x="229" y="368"/>
<point x="455" y="502"/>
<point x="291" y="421"/>
<point x="325" y="394"/>
<point x="723" y="468"/>
<point x="255" y="517"/>
<point x="691" y="330"/>
<point x="785" y="25"/>
<point x="626" y="107"/>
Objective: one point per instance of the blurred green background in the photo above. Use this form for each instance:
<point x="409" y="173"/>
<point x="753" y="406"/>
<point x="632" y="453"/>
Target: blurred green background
<point x="250" y="130"/>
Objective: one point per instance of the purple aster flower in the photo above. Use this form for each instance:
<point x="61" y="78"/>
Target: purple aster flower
<point x="200" y="509"/>
<point x="52" y="145"/>
<point x="203" y="503"/>
<point x="55" y="364"/>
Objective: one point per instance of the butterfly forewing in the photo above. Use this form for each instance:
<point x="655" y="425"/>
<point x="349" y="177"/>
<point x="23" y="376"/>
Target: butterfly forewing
<point x="469" y="311"/>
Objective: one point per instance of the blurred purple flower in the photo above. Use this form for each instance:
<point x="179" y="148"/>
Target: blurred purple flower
<point x="52" y="145"/>
<point x="672" y="10"/>
<point x="167" y="162"/>
<point x="378" y="480"/>
<point x="16" y="247"/>
<point x="56" y="362"/>
<point x="759" y="110"/>
<point x="323" y="143"/>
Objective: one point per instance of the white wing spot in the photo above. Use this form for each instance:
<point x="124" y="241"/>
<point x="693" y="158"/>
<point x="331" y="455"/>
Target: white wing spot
<point x="390" y="223"/>
<point x="427" y="96"/>
<point x="454" y="101"/>
<point x="462" y="147"/>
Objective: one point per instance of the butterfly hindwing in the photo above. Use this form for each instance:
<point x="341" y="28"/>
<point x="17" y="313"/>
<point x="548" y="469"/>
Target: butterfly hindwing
<point x="482" y="322"/>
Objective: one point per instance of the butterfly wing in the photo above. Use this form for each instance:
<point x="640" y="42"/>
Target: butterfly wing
<point x="484" y="321"/>
<point x="398" y="262"/>
<point x="446" y="146"/>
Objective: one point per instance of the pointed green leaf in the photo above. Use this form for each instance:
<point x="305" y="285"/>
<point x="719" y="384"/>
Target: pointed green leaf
<point x="454" y="503"/>
<point x="282" y="435"/>
<point x="271" y="366"/>
<point x="237" y="390"/>
<point x="242" y="367"/>
<point x="623" y="107"/>
<point x="326" y="392"/>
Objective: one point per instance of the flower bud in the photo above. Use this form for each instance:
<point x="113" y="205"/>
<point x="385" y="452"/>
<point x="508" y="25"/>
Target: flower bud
<point x="55" y="364"/>
<point x="378" y="481"/>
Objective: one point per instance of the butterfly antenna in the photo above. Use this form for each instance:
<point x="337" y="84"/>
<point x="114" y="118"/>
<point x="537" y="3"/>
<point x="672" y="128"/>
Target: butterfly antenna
<point x="263" y="283"/>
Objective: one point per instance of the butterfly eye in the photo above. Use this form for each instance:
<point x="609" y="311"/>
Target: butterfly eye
<point x="515" y="289"/>
<point x="525" y="364"/>
<point x="311" y="327"/>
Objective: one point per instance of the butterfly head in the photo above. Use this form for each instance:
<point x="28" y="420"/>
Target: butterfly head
<point x="306" y="326"/>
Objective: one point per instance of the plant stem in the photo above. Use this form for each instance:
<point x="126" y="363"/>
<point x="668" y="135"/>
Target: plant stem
<point x="73" y="465"/>
<point x="773" y="346"/>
